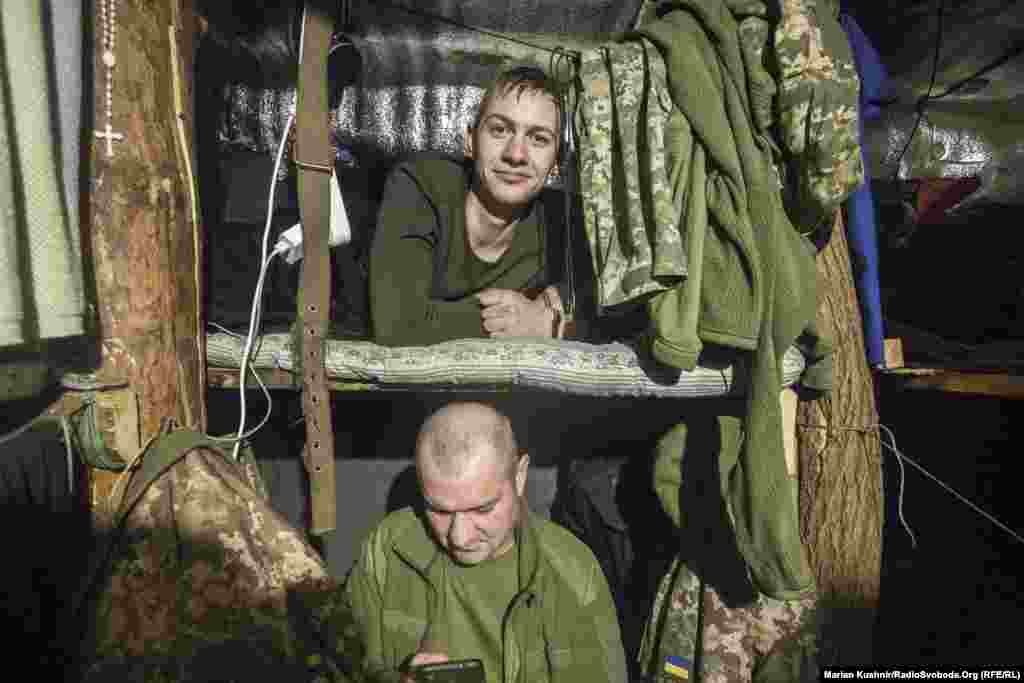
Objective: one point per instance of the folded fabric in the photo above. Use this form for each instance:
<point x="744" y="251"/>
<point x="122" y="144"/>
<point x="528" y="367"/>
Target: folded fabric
<point x="41" y="289"/>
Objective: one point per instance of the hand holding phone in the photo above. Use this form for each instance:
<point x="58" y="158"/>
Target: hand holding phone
<point x="429" y="653"/>
<point x="458" y="671"/>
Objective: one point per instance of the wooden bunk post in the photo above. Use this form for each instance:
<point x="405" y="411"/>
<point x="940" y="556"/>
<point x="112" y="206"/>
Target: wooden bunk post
<point x="841" y="472"/>
<point x="142" y="227"/>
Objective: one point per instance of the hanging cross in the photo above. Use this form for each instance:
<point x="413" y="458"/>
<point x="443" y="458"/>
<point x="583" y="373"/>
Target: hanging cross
<point x="110" y="136"/>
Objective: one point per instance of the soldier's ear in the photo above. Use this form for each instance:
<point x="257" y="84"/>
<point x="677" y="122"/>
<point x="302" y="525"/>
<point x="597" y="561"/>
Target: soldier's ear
<point x="467" y="143"/>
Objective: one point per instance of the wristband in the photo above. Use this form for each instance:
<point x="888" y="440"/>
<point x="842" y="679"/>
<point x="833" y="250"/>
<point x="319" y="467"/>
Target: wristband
<point x="556" y="321"/>
<point x="556" y="315"/>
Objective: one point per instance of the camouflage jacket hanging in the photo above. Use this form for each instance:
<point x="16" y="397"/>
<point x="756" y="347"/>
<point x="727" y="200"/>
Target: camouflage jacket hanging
<point x="751" y="283"/>
<point x="632" y="211"/>
<point x="800" y="87"/>
<point x="817" y="110"/>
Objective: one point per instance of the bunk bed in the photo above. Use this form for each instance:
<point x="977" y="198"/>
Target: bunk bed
<point x="406" y="81"/>
<point x="415" y="87"/>
<point x="614" y="370"/>
<point x="417" y="81"/>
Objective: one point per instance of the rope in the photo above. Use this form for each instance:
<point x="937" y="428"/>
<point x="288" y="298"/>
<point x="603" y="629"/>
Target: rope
<point x="949" y="489"/>
<point x="65" y="427"/>
<point x="900" y="458"/>
<point x="12" y="435"/>
<point x="89" y="442"/>
<point x="903" y="487"/>
<point x="866" y="430"/>
<point x="80" y="434"/>
<point x="873" y="429"/>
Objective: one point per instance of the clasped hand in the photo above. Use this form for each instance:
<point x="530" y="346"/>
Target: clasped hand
<point x="507" y="313"/>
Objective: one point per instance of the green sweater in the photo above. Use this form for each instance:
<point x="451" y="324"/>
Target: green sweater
<point x="757" y="288"/>
<point x="423" y="275"/>
<point x="560" y="624"/>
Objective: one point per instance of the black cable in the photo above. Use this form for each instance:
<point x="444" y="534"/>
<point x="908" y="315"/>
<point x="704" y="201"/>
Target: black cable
<point x="568" y="170"/>
<point x="1016" y="51"/>
<point x="924" y="100"/>
<point x="1011" y="54"/>
<point x="346" y="16"/>
<point x="493" y="34"/>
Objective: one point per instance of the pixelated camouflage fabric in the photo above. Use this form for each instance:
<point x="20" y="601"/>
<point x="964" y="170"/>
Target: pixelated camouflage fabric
<point x="818" y="110"/>
<point x="208" y="583"/>
<point x="799" y="57"/>
<point x="631" y="208"/>
<point x="769" y="641"/>
<point x="718" y="178"/>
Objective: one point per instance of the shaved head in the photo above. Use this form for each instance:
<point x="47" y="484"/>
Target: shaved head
<point x="456" y="437"/>
<point x="472" y="478"/>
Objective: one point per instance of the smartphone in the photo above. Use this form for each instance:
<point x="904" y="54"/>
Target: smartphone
<point x="460" y="671"/>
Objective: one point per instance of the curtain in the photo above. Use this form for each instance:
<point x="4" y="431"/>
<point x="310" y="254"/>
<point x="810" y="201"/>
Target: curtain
<point x="40" y="118"/>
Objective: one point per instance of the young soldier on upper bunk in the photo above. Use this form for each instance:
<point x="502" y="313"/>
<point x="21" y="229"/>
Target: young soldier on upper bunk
<point x="473" y="247"/>
<point x="459" y="249"/>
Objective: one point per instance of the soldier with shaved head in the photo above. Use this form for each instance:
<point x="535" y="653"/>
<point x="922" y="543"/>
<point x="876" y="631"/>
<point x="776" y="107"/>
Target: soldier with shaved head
<point x="472" y="573"/>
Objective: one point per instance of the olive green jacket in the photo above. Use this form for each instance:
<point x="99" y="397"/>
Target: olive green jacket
<point x="757" y="289"/>
<point x="560" y="627"/>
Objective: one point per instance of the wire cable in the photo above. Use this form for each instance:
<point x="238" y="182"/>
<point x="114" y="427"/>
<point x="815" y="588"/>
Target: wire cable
<point x="458" y="24"/>
<point x="903" y="484"/>
<point x="901" y="457"/>
<point x="224" y="330"/>
<point x="567" y="167"/>
<point x="921" y="103"/>
<point x="245" y="369"/>
<point x="15" y="433"/>
<point x="255" y="316"/>
<point x="1016" y="51"/>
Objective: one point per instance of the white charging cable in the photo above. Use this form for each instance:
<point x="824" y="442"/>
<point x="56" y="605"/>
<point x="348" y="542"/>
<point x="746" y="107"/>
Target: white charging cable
<point x="289" y="243"/>
<point x="255" y="314"/>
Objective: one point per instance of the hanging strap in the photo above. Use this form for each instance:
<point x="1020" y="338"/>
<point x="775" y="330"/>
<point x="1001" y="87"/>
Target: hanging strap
<point x="159" y="456"/>
<point x="314" y="163"/>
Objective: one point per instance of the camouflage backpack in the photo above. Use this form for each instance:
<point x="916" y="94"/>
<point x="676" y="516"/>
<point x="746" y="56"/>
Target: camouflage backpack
<point x="198" y="579"/>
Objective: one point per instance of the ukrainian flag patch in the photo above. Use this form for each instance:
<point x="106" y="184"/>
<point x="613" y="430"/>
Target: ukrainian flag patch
<point x="678" y="667"/>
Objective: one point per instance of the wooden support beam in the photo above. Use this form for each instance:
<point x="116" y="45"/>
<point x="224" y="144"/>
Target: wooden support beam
<point x="917" y="342"/>
<point x="141" y="223"/>
<point x="893" y="353"/>
<point x="999" y="385"/>
<point x="841" y="472"/>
